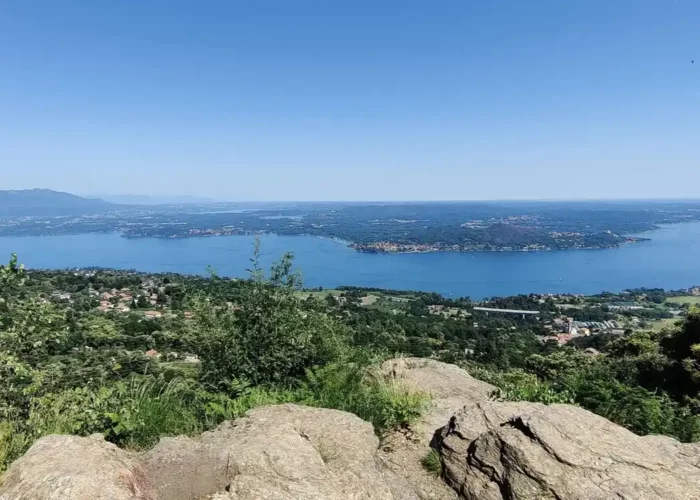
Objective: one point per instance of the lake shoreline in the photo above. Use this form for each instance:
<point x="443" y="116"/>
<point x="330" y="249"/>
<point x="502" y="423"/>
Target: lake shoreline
<point x="667" y="260"/>
<point x="372" y="248"/>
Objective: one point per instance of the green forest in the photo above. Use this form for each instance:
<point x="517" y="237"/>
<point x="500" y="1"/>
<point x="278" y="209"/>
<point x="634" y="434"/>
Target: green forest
<point x="137" y="356"/>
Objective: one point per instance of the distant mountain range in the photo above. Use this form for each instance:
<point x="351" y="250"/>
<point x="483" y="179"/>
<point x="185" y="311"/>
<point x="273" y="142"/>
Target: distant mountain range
<point x="45" y="202"/>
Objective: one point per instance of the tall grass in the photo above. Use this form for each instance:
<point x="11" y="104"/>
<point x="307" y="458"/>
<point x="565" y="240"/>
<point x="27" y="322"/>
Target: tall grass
<point x="137" y="413"/>
<point x="13" y="443"/>
<point x="154" y="410"/>
<point x="132" y="414"/>
<point x="351" y="387"/>
<point x="220" y="408"/>
<point x="431" y="463"/>
<point x="386" y="403"/>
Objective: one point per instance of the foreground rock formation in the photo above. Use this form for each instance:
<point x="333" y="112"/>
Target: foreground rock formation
<point x="276" y="452"/>
<point x="494" y="451"/>
<point x="449" y="388"/>
<point x="489" y="450"/>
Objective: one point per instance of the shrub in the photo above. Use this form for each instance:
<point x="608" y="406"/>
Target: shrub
<point x="13" y="443"/>
<point x="134" y="414"/>
<point x="517" y="385"/>
<point x="220" y="407"/>
<point x="400" y="405"/>
<point x="431" y="462"/>
<point x="270" y="339"/>
<point x="352" y="387"/>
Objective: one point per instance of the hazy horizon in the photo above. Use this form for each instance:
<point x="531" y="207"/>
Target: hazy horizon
<point x="509" y="200"/>
<point x="397" y="101"/>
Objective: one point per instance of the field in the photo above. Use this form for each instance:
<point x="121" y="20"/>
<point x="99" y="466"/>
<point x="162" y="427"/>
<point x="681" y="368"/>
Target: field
<point x="660" y="324"/>
<point x="684" y="299"/>
<point x="370" y="299"/>
<point x="367" y="300"/>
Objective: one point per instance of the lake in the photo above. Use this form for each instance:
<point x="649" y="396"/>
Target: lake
<point x="671" y="260"/>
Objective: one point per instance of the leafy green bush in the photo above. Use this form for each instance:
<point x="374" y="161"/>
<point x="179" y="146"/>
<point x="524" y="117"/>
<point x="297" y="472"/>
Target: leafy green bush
<point x="517" y="385"/>
<point x="641" y="411"/>
<point x="594" y="388"/>
<point x="271" y="337"/>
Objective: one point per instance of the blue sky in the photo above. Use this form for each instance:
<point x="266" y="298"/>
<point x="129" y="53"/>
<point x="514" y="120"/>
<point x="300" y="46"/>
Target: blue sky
<point x="362" y="100"/>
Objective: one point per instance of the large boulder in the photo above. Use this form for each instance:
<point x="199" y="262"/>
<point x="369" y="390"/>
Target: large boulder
<point x="497" y="450"/>
<point x="275" y="452"/>
<point x="71" y="467"/>
<point x="284" y="451"/>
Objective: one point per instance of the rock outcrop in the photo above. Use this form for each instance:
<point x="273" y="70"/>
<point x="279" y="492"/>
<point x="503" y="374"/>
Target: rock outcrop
<point x="71" y="467"/>
<point x="275" y="452"/>
<point x="497" y="450"/>
<point x="489" y="450"/>
<point x="449" y="388"/>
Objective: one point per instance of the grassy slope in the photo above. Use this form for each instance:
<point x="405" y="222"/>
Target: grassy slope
<point x="685" y="299"/>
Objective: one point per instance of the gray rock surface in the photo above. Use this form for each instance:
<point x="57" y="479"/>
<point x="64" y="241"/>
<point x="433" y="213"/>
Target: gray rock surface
<point x="275" y="452"/>
<point x="496" y="450"/>
<point x="70" y="467"/>
<point x="450" y="388"/>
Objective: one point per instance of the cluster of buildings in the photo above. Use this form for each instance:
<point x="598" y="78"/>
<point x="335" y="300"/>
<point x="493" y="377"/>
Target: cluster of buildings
<point x="584" y="327"/>
<point x="62" y="296"/>
<point x="564" y="329"/>
<point x="625" y="306"/>
<point x="401" y="300"/>
<point x="447" y="312"/>
<point x="124" y="300"/>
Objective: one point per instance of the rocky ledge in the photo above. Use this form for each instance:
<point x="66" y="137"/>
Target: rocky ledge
<point x="494" y="451"/>
<point x="275" y="452"/>
<point x="489" y="450"/>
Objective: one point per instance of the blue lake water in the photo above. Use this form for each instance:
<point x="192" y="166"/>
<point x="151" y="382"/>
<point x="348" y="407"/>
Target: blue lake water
<point x="671" y="260"/>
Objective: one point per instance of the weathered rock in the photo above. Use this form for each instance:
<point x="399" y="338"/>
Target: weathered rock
<point x="489" y="450"/>
<point x="450" y="388"/>
<point x="284" y="451"/>
<point x="70" y="467"/>
<point x="496" y="450"/>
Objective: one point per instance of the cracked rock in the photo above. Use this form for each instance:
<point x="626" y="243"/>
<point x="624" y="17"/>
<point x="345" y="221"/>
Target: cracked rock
<point x="497" y="450"/>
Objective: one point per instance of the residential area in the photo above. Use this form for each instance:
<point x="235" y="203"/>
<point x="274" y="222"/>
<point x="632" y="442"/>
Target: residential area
<point x="554" y="319"/>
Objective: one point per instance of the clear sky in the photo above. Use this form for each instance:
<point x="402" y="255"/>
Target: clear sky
<point x="352" y="100"/>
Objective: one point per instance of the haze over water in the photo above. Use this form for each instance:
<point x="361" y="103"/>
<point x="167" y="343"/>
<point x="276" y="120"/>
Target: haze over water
<point x="669" y="261"/>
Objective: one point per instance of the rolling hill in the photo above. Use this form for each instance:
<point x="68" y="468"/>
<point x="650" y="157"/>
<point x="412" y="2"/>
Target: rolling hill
<point x="45" y="202"/>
